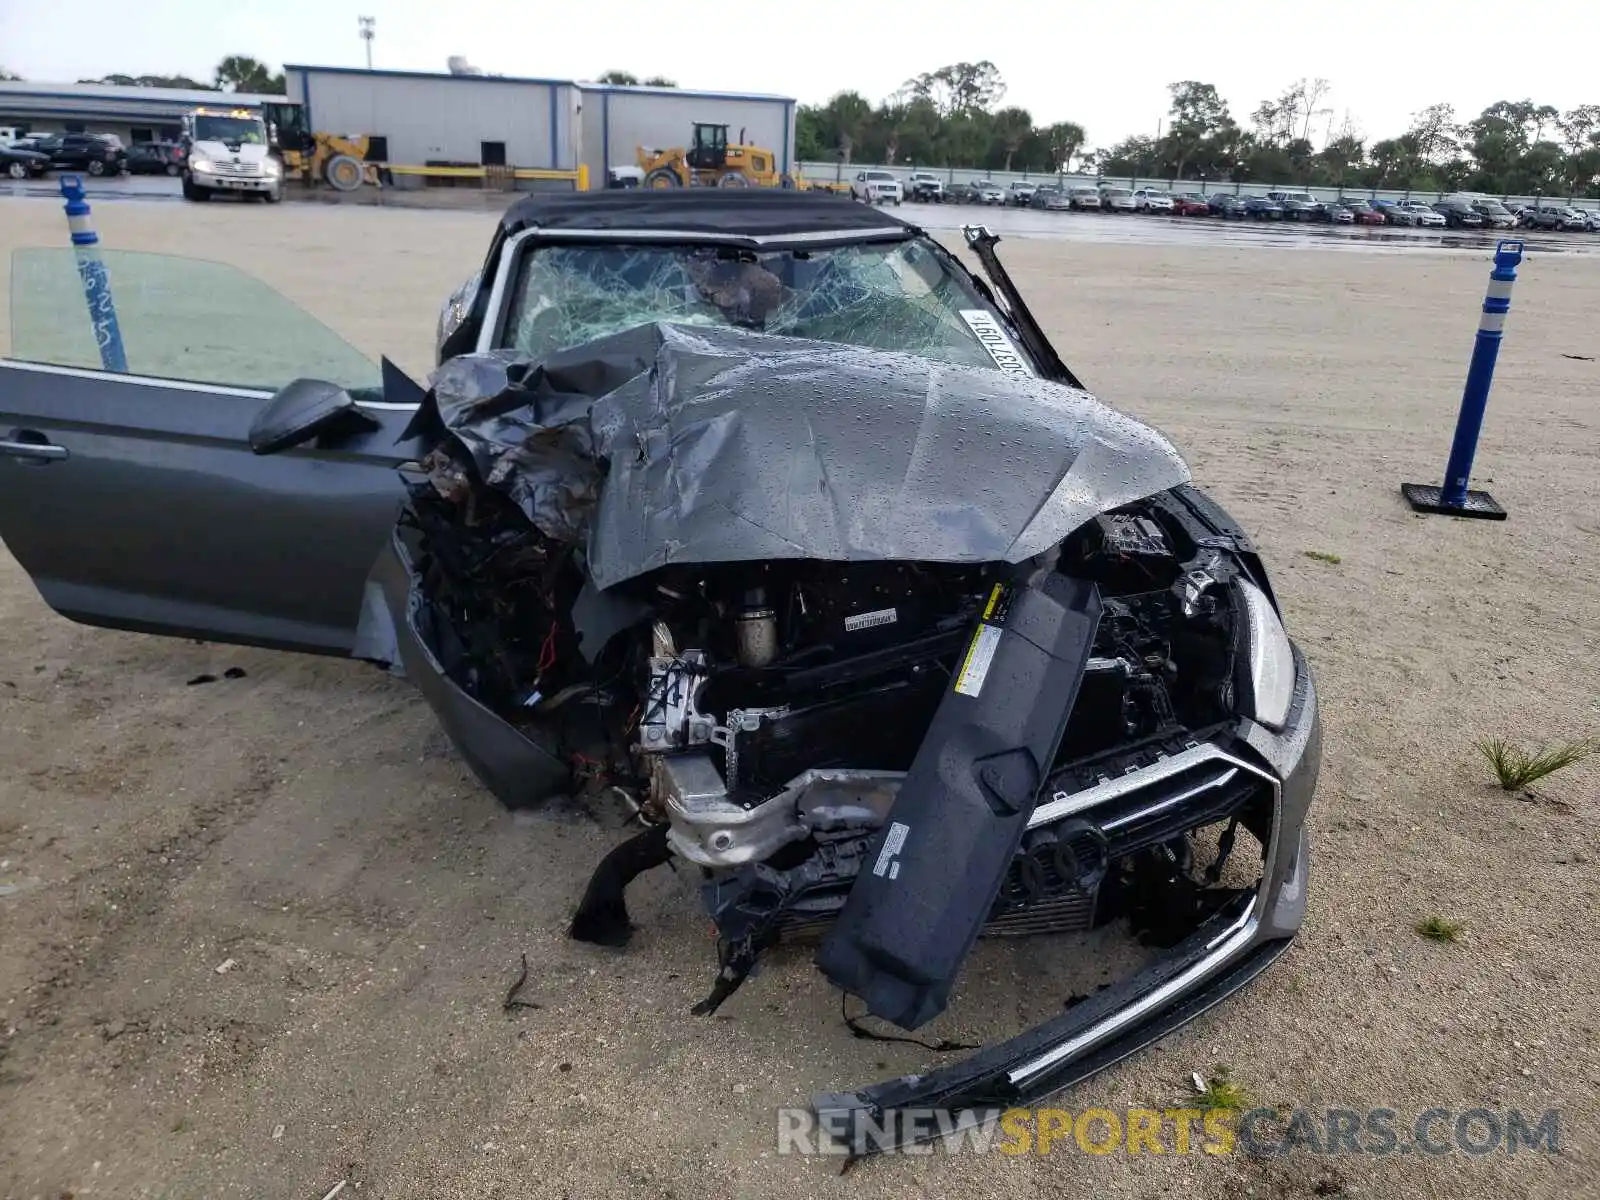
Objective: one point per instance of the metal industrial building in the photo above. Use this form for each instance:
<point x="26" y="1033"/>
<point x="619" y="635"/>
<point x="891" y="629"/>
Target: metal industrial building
<point x="617" y="120"/>
<point x="423" y="118"/>
<point x="134" y="114"/>
<point x="503" y="120"/>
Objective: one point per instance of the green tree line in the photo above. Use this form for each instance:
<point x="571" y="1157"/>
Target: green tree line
<point x="952" y="118"/>
<point x="235" y="73"/>
<point x="949" y="117"/>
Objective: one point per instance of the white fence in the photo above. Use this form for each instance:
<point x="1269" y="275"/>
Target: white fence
<point x="827" y="171"/>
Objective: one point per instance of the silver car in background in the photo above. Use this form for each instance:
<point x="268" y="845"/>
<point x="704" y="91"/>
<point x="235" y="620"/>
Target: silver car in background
<point x="1020" y="193"/>
<point x="1117" y="199"/>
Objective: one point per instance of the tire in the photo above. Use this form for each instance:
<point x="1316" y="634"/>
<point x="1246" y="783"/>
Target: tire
<point x="662" y="178"/>
<point x="17" y="170"/>
<point x="274" y="196"/>
<point x="193" y="191"/>
<point x="733" y="180"/>
<point x="172" y="169"/>
<point x="96" y="167"/>
<point x="343" y="173"/>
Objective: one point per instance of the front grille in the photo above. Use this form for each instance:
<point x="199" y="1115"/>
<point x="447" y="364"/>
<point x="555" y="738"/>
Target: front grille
<point x="1076" y="838"/>
<point x="240" y="170"/>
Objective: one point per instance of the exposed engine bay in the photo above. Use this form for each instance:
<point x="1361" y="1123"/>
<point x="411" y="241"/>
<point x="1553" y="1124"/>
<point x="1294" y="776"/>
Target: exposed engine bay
<point x="761" y="717"/>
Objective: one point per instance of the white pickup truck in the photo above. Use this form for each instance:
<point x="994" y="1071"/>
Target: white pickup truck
<point x="925" y="187"/>
<point x="877" y="187"/>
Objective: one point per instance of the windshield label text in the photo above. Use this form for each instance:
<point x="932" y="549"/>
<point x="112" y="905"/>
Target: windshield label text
<point x="987" y="330"/>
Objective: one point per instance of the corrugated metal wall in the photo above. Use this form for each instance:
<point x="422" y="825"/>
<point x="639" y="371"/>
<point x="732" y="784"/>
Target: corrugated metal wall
<point x="444" y="117"/>
<point x="618" y="120"/>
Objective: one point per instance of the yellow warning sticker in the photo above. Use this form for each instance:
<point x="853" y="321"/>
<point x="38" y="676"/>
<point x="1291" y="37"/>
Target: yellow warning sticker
<point x="980" y="655"/>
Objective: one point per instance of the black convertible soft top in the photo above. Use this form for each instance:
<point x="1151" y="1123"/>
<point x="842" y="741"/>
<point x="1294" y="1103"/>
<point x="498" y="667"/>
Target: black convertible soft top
<point x="752" y="212"/>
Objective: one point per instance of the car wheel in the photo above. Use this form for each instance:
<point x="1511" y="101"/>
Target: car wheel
<point x="96" y="167"/>
<point x="172" y="169"/>
<point x="17" y="170"/>
<point x="193" y="191"/>
<point x="275" y="195"/>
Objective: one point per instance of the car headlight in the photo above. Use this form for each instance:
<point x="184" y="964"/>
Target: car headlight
<point x="1271" y="657"/>
<point x="272" y="167"/>
<point x="199" y="164"/>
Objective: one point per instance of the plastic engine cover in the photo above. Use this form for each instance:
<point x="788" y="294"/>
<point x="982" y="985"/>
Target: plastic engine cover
<point x="913" y="914"/>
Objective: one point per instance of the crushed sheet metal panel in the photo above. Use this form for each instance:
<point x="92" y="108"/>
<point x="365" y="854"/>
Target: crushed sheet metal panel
<point x="676" y="444"/>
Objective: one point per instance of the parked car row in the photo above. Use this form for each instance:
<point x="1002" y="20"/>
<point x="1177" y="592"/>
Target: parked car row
<point x="93" y="153"/>
<point x="1454" y="212"/>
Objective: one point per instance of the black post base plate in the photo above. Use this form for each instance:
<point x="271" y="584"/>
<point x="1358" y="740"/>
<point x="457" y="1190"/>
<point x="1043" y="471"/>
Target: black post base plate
<point x="1429" y="498"/>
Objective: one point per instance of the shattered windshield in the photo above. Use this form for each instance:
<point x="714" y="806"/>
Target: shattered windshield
<point x="886" y="296"/>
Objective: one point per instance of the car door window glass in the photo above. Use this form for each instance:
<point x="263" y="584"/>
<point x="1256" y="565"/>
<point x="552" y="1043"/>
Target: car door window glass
<point x="180" y="318"/>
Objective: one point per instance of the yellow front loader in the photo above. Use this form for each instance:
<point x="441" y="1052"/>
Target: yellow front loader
<point x="339" y="160"/>
<point x="710" y="162"/>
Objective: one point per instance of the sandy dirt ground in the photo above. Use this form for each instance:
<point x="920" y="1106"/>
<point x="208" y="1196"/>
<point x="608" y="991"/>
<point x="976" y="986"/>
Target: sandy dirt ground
<point x="310" y="824"/>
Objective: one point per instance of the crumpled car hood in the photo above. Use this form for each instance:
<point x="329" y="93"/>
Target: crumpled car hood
<point x="672" y="444"/>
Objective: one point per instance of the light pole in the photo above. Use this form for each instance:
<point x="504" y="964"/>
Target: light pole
<point x="366" y="25"/>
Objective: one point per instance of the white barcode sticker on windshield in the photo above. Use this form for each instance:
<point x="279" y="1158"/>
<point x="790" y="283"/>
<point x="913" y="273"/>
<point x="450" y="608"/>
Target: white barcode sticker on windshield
<point x="987" y="330"/>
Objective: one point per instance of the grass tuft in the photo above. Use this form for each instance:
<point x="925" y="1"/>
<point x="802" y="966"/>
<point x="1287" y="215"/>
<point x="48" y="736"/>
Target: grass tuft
<point x="1516" y="768"/>
<point x="1438" y="929"/>
<point x="1221" y="1091"/>
<point x="1323" y="556"/>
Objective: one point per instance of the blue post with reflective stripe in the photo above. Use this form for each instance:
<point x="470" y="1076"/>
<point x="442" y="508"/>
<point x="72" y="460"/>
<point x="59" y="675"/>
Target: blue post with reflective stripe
<point x="1475" y="396"/>
<point x="92" y="271"/>
<point x="1453" y="497"/>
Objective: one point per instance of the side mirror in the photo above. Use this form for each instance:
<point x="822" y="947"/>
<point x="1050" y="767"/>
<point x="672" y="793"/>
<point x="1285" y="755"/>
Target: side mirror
<point x="303" y="409"/>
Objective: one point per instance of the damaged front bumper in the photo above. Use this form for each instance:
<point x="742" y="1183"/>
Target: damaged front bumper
<point x="1223" y="954"/>
<point x="517" y="765"/>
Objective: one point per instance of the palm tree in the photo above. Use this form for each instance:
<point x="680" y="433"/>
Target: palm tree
<point x="241" y="73"/>
<point x="845" y="119"/>
<point x="1012" y="127"/>
<point x="1065" y="139"/>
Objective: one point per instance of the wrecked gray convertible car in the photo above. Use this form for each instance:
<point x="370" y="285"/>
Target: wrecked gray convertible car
<point x="760" y="514"/>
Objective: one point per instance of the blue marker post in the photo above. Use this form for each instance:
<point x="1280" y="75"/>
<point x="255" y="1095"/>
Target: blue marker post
<point x="1453" y="498"/>
<point x="96" y="284"/>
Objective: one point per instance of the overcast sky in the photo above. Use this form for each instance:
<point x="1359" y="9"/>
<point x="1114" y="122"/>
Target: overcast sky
<point x="1105" y="66"/>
